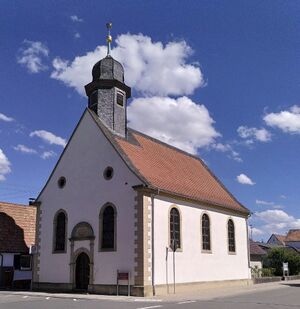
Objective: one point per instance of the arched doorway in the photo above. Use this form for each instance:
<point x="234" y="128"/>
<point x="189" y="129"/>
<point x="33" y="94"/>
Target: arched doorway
<point x="82" y="273"/>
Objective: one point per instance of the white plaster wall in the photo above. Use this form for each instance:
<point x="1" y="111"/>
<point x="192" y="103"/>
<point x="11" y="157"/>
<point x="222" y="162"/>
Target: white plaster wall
<point x="192" y="265"/>
<point x="257" y="264"/>
<point x="8" y="261"/>
<point x="86" y="191"/>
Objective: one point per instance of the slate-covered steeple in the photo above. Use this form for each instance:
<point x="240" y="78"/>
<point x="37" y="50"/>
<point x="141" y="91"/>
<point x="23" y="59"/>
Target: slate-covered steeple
<point x="108" y="93"/>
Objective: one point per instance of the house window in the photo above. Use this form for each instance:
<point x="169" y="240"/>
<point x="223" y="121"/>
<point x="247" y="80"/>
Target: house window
<point x="231" y="236"/>
<point x="22" y="262"/>
<point x="205" y="233"/>
<point x="120" y="99"/>
<point x="174" y="229"/>
<point x="60" y="232"/>
<point x="107" y="221"/>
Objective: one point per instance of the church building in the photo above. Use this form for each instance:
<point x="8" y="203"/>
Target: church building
<point x="121" y="202"/>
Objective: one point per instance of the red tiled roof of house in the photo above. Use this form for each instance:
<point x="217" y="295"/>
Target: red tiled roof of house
<point x="17" y="227"/>
<point x="281" y="238"/>
<point x="255" y="249"/>
<point x="172" y="170"/>
<point x="293" y="235"/>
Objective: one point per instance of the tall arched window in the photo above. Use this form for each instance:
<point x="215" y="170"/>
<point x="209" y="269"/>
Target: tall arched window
<point x="231" y="236"/>
<point x="175" y="229"/>
<point x="205" y="233"/>
<point x="60" y="232"/>
<point x="108" y="228"/>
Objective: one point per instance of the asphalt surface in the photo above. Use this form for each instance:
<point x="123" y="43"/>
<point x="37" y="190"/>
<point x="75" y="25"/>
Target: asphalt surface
<point x="275" y="297"/>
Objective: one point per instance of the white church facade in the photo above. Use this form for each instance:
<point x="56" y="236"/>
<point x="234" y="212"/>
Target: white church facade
<point x="120" y="201"/>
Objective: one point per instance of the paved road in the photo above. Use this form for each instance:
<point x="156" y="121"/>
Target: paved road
<point x="283" y="297"/>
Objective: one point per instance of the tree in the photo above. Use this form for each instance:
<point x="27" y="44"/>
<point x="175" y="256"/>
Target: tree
<point x="277" y="256"/>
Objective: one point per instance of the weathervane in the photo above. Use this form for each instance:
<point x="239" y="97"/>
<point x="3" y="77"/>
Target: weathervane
<point x="108" y="38"/>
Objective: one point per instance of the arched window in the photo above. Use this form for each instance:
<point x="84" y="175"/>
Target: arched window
<point x="231" y="236"/>
<point x="107" y="228"/>
<point x="60" y="232"/>
<point x="175" y="229"/>
<point x="205" y="233"/>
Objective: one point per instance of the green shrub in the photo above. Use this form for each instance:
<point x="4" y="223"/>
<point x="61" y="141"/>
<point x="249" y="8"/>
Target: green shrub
<point x="277" y="256"/>
<point x="267" y="272"/>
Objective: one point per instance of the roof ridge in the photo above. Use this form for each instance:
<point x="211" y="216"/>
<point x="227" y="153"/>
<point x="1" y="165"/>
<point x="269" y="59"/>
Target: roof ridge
<point x="2" y="203"/>
<point x="194" y="157"/>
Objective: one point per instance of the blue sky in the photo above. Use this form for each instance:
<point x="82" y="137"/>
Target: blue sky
<point x="223" y="76"/>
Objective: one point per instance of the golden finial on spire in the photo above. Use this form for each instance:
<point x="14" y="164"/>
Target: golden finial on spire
<point x="108" y="38"/>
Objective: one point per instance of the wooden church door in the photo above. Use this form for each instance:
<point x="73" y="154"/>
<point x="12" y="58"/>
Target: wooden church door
<point x="82" y="271"/>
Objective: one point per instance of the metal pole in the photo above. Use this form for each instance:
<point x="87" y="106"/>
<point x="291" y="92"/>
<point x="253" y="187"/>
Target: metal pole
<point x="174" y="282"/>
<point x="167" y="252"/>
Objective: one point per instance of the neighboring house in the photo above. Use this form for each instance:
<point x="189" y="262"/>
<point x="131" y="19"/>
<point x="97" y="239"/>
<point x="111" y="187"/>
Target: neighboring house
<point x="119" y="200"/>
<point x="257" y="254"/>
<point x="292" y="239"/>
<point x="17" y="234"/>
<point x="276" y="239"/>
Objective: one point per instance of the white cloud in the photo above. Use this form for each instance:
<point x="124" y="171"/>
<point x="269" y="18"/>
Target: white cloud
<point x="32" y="54"/>
<point x="179" y="122"/>
<point x="77" y="19"/>
<point x="265" y="203"/>
<point x="275" y="221"/>
<point x="5" y="118"/>
<point x="24" y="149"/>
<point x="48" y="154"/>
<point x="260" y="202"/>
<point x="49" y="137"/>
<point x="4" y="165"/>
<point x="77" y="35"/>
<point x="150" y="67"/>
<point x="228" y="149"/>
<point x="251" y="134"/>
<point x="245" y="180"/>
<point x="288" y="120"/>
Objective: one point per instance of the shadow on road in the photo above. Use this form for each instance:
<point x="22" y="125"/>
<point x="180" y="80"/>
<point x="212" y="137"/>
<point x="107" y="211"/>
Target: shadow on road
<point x="293" y="285"/>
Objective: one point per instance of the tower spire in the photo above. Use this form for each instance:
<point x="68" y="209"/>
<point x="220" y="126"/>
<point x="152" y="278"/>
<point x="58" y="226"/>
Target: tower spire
<point x="108" y="38"/>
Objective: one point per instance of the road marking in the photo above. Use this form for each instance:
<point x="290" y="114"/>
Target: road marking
<point x="25" y="296"/>
<point x="158" y="306"/>
<point x="186" y="302"/>
<point x="145" y="300"/>
<point x="74" y="299"/>
<point x="47" y="298"/>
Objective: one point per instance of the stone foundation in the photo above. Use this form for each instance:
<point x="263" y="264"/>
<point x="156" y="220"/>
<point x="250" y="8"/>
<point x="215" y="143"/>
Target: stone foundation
<point x="142" y="291"/>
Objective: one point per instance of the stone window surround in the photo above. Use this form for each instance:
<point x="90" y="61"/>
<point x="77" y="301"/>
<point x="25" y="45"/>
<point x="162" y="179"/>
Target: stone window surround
<point x="201" y="217"/>
<point x="54" y="231"/>
<point x="100" y="249"/>
<point x="180" y="227"/>
<point x="231" y="252"/>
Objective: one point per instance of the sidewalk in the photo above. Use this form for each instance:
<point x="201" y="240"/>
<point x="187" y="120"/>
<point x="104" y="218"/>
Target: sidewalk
<point x="203" y="294"/>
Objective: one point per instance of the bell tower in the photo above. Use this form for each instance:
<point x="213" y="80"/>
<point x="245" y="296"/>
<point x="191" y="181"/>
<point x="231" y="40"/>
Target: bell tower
<point x="107" y="93"/>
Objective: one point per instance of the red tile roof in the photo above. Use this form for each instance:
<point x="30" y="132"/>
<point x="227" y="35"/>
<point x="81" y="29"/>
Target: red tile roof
<point x="17" y="227"/>
<point x="255" y="249"/>
<point x="172" y="170"/>
<point x="280" y="238"/>
<point x="293" y="235"/>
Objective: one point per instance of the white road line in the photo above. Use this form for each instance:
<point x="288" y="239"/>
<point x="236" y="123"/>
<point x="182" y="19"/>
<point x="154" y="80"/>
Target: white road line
<point x="25" y="296"/>
<point x="158" y="306"/>
<point x="186" y="302"/>
<point x="74" y="299"/>
<point x="47" y="298"/>
<point x="145" y="300"/>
